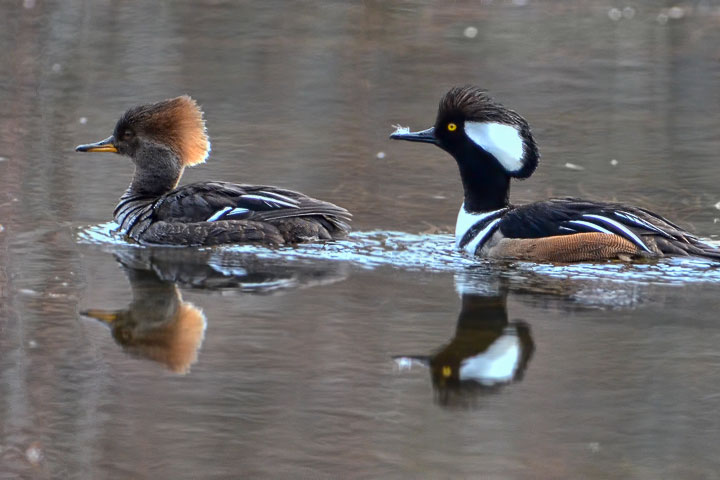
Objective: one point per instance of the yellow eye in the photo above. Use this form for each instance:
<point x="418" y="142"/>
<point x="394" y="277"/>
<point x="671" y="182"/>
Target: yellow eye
<point x="452" y="127"/>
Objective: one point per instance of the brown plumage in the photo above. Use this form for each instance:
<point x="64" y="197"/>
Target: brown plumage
<point x="580" y="247"/>
<point x="158" y="324"/>
<point x="176" y="122"/>
<point x="165" y="137"/>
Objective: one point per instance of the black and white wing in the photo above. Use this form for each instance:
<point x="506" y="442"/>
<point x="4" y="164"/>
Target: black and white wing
<point x="215" y="201"/>
<point x="566" y="216"/>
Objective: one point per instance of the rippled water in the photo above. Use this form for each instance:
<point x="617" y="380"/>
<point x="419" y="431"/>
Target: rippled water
<point x="388" y="355"/>
<point x="436" y="253"/>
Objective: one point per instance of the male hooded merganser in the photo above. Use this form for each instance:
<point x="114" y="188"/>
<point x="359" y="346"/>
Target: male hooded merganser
<point x="493" y="144"/>
<point x="487" y="352"/>
<point x="165" y="137"/>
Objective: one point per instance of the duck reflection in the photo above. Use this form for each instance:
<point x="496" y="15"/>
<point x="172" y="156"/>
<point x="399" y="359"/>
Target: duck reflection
<point x="228" y="271"/>
<point x="159" y="325"/>
<point x="487" y="352"/>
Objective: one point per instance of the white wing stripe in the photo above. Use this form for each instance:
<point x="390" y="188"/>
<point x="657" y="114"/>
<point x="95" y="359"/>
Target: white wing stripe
<point x="592" y="226"/>
<point x="480" y="237"/>
<point x="620" y="227"/>
<point x="237" y="211"/>
<point x="639" y="221"/>
<point x="218" y="214"/>
<point x="282" y="197"/>
<point x="270" y="201"/>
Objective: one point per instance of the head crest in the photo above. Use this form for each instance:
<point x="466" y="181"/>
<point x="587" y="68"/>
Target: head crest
<point x="474" y="104"/>
<point x="176" y="122"/>
<point x="498" y="130"/>
<point x="175" y="343"/>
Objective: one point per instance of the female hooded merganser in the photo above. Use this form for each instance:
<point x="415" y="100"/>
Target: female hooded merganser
<point x="158" y="324"/>
<point x="165" y="137"/>
<point x="492" y="145"/>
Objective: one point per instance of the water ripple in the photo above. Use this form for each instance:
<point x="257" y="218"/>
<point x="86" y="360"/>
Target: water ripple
<point x="436" y="252"/>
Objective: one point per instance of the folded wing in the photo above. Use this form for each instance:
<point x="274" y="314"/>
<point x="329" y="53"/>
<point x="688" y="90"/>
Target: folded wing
<point x="215" y="201"/>
<point x="566" y="216"/>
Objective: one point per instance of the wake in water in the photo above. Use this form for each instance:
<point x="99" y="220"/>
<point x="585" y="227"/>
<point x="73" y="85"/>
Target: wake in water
<point x="437" y="253"/>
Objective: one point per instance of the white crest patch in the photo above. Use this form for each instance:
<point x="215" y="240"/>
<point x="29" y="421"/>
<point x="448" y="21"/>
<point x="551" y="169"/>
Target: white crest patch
<point x="501" y="141"/>
<point x="497" y="364"/>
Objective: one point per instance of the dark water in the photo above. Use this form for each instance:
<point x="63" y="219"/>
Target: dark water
<point x="342" y="361"/>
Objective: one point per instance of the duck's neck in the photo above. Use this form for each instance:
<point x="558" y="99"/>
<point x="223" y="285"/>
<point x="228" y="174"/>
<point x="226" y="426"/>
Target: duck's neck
<point x="157" y="171"/>
<point x="486" y="184"/>
<point x="154" y="301"/>
<point x="480" y="312"/>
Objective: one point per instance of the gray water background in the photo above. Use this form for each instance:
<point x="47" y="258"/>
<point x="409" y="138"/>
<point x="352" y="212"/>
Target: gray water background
<point x="294" y="375"/>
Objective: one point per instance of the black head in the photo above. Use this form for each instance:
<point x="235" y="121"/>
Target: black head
<point x="472" y="127"/>
<point x="176" y="124"/>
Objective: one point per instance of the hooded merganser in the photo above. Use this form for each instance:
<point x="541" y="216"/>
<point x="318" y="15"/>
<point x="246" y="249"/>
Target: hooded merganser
<point x="158" y="324"/>
<point x="165" y="137"/>
<point x="491" y="145"/>
<point x="487" y="351"/>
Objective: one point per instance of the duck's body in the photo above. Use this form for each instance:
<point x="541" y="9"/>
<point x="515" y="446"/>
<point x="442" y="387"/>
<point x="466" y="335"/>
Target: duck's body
<point x="492" y="145"/>
<point x="165" y="137"/>
<point x="212" y="213"/>
<point x="572" y="230"/>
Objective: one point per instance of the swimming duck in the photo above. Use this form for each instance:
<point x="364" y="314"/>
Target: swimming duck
<point x="492" y="145"/>
<point x="165" y="137"/>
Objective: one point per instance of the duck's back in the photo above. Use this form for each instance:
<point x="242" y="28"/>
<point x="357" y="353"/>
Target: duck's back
<point x="596" y="230"/>
<point x="211" y="213"/>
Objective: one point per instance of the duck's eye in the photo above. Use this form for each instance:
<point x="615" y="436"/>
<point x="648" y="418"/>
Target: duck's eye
<point x="452" y="127"/>
<point x="127" y="135"/>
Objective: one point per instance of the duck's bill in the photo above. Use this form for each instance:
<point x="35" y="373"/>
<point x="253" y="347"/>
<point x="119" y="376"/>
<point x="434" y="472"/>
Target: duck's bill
<point x="107" y="145"/>
<point x="105" y="316"/>
<point x="424" y="136"/>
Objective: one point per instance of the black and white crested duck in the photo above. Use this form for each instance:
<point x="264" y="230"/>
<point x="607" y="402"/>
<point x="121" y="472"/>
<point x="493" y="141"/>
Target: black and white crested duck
<point x="165" y="137"/>
<point x="488" y="351"/>
<point x="492" y="145"/>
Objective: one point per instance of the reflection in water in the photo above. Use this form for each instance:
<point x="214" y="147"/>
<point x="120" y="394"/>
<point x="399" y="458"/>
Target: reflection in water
<point x="219" y="269"/>
<point x="486" y="353"/>
<point x="625" y="358"/>
<point x="159" y="325"/>
<point x="437" y="252"/>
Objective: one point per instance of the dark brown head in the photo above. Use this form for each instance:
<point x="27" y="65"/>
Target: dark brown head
<point x="474" y="129"/>
<point x="176" y="124"/>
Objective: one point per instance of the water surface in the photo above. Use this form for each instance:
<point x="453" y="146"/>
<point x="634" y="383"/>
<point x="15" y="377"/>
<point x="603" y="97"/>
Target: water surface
<point x="341" y="360"/>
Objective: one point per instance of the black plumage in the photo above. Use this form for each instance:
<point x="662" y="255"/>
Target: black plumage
<point x="651" y="232"/>
<point x="493" y="144"/>
<point x="487" y="352"/>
